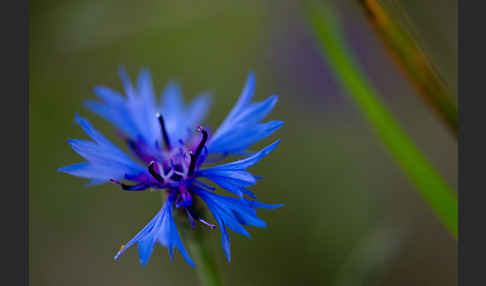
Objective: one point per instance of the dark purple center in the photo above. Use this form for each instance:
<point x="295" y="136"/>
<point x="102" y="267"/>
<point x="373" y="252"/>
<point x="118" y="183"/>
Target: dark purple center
<point x="171" y="168"/>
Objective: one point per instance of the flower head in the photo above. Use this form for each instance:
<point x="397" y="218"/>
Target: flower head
<point x="171" y="152"/>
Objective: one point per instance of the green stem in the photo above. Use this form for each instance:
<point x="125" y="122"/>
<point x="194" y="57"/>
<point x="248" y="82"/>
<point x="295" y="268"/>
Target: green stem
<point x="205" y="265"/>
<point x="413" y="62"/>
<point x="436" y="192"/>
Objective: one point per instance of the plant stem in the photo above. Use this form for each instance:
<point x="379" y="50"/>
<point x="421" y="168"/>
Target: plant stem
<point x="414" y="63"/>
<point x="431" y="186"/>
<point x="205" y="265"/>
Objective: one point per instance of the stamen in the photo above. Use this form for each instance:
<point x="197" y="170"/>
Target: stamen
<point x="199" y="149"/>
<point x="165" y="136"/>
<point x="153" y="173"/>
<point x="203" y="140"/>
<point x="192" y="165"/>
<point x="191" y="216"/>
<point x="212" y="226"/>
<point x="138" y="187"/>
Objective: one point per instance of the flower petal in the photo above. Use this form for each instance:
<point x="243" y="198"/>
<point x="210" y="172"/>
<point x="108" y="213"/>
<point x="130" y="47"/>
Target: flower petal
<point x="242" y="137"/>
<point x="231" y="212"/>
<point x="247" y="162"/>
<point x="233" y="177"/>
<point x="134" y="114"/>
<point x="241" y="128"/>
<point x="105" y="160"/>
<point x="197" y="110"/>
<point x="161" y="228"/>
<point x="94" y="171"/>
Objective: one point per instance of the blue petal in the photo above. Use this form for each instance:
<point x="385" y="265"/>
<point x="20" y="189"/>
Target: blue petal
<point x="172" y="104"/>
<point x="241" y="177"/>
<point x="257" y="111"/>
<point x="127" y="83"/>
<point x="114" y="112"/>
<point x="232" y="177"/>
<point x="255" y="204"/>
<point x="134" y="114"/>
<point x="145" y="248"/>
<point x="92" y="132"/>
<point x="148" y="107"/>
<point x="247" y="162"/>
<point x="95" y="171"/>
<point x="225" y="241"/>
<point x="145" y="88"/>
<point x="109" y="95"/>
<point x="175" y="241"/>
<point x="197" y="110"/>
<point x="173" y="111"/>
<point x="146" y="231"/>
<point x="203" y="185"/>
<point x="243" y="101"/>
<point x="226" y="216"/>
<point x="101" y="153"/>
<point x="242" y="127"/>
<point x="105" y="160"/>
<point x="172" y="99"/>
<point x="240" y="138"/>
<point x="181" y="121"/>
<point x="161" y="228"/>
<point x="231" y="212"/>
<point x="233" y="186"/>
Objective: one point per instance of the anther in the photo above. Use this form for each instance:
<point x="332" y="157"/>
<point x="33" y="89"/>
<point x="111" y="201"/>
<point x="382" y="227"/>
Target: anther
<point x="153" y="173"/>
<point x="165" y="136"/>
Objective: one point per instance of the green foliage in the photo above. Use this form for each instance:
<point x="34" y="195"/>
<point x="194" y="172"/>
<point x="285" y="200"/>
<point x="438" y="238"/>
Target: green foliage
<point x="436" y="192"/>
<point x="411" y="59"/>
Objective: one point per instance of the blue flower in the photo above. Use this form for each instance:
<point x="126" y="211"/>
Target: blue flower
<point x="171" y="157"/>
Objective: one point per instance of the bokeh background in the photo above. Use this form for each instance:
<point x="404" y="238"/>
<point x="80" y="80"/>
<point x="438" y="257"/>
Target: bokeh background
<point x="351" y="216"/>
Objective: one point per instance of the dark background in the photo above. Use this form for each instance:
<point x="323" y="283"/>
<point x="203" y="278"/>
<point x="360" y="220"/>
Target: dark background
<point x="351" y="216"/>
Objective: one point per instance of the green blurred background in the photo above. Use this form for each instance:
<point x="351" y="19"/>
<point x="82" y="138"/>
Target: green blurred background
<point x="351" y="216"/>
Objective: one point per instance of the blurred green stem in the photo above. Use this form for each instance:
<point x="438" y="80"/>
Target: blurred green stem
<point x="415" y="64"/>
<point x="436" y="192"/>
<point x="205" y="265"/>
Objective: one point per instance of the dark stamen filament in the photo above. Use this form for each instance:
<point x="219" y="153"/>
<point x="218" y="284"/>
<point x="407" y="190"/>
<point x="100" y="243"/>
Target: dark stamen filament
<point x="138" y="187"/>
<point x="164" y="131"/>
<point x="199" y="149"/>
<point x="203" y="141"/>
<point x="192" y="165"/>
<point x="153" y="173"/>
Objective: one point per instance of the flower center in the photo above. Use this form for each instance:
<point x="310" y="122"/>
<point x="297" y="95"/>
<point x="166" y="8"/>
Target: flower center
<point x="171" y="169"/>
<point x="179" y="165"/>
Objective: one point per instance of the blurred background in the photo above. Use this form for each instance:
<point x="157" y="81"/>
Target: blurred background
<point x="351" y="217"/>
